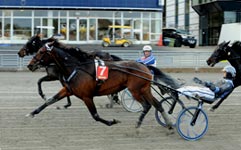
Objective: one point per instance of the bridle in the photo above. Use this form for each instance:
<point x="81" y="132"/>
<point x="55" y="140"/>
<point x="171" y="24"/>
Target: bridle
<point x="44" y="52"/>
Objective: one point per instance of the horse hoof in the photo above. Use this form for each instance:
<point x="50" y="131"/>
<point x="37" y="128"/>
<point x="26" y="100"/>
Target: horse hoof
<point x="170" y="132"/>
<point x="30" y="115"/>
<point x="138" y="125"/>
<point x="57" y="107"/>
<point x="116" y="121"/>
<point x="211" y="109"/>
<point x="169" y="127"/>
<point x="109" y="106"/>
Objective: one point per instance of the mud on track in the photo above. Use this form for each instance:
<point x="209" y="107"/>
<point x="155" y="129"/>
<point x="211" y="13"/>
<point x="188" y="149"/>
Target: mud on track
<point x="74" y="129"/>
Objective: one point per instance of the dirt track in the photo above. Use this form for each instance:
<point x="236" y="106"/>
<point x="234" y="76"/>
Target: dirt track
<point x="74" y="129"/>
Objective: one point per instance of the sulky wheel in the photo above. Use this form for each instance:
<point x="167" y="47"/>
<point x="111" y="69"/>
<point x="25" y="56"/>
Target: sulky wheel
<point x="190" y="128"/>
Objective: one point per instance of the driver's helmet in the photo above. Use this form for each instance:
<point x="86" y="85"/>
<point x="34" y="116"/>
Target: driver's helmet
<point x="147" y="48"/>
<point x="231" y="70"/>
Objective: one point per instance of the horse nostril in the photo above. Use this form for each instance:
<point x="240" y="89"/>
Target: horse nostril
<point x="30" y="67"/>
<point x="208" y="62"/>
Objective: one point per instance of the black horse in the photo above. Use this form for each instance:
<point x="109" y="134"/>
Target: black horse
<point x="232" y="53"/>
<point x="53" y="73"/>
<point x="79" y="76"/>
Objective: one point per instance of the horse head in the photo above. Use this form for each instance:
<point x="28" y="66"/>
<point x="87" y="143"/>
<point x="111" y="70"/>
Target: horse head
<point x="41" y="58"/>
<point x="221" y="52"/>
<point x="32" y="46"/>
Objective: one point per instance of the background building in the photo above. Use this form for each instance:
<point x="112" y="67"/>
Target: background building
<point x="214" y="13"/>
<point x="79" y="21"/>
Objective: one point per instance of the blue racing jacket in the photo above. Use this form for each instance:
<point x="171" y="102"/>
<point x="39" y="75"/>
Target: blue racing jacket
<point x="147" y="61"/>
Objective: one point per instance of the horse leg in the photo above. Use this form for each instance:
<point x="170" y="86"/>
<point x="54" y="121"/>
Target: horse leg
<point x="92" y="109"/>
<point x="159" y="107"/>
<point x="61" y="94"/>
<point x="45" y="78"/>
<point x="146" y="107"/>
<point x="50" y="78"/>
<point x="216" y="105"/>
<point x="68" y="103"/>
<point x="152" y="100"/>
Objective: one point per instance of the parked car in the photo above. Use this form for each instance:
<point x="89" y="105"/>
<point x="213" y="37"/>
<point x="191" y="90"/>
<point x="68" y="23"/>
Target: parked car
<point x="178" y="38"/>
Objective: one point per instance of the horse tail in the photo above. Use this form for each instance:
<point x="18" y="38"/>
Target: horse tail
<point x="161" y="76"/>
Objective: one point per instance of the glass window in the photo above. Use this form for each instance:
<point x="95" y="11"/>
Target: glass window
<point x="37" y="22"/>
<point x="131" y="14"/>
<point x="137" y="28"/>
<point x="55" y="25"/>
<point x="7" y="26"/>
<point x="146" y="15"/>
<point x="92" y="29"/>
<point x="82" y="29"/>
<point x="117" y="14"/>
<point x="156" y="15"/>
<point x="7" y="13"/>
<point x="117" y="22"/>
<point x="155" y="29"/>
<point x="1" y="29"/>
<point x="78" y="13"/>
<point x="63" y="27"/>
<point x="72" y="29"/>
<point x="21" y="29"/>
<point x="27" y="13"/>
<point x="41" y="13"/>
<point x="101" y="14"/>
<point x="145" y="30"/>
<point x="229" y="17"/>
<point x="55" y="13"/>
<point x="63" y="13"/>
<point x="103" y="27"/>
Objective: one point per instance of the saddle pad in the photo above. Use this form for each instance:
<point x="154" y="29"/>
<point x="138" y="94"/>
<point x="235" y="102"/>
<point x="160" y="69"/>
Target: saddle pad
<point x="102" y="71"/>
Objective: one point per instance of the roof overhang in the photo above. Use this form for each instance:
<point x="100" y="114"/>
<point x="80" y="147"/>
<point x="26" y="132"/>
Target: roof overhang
<point x="217" y="6"/>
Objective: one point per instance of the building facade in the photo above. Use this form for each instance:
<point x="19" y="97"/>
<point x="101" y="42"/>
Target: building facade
<point x="179" y="14"/>
<point x="79" y="21"/>
<point x="214" y="13"/>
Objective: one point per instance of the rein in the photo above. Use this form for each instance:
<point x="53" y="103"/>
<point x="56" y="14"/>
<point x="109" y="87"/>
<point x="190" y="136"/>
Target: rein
<point x="130" y="68"/>
<point x="131" y="74"/>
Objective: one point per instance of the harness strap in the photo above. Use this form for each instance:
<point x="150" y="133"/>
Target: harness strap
<point x="71" y="76"/>
<point x="68" y="80"/>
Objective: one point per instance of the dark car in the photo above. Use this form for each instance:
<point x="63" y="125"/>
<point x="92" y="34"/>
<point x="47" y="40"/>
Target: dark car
<point x="179" y="37"/>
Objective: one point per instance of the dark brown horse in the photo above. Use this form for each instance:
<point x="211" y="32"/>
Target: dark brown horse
<point x="35" y="43"/>
<point x="232" y="53"/>
<point x="80" y="80"/>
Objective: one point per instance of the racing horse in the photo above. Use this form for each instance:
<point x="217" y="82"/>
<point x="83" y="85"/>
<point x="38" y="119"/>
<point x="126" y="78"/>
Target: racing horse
<point x="232" y="53"/>
<point x="80" y="80"/>
<point x="35" y="43"/>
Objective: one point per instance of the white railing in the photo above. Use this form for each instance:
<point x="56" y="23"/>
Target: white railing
<point x="173" y="59"/>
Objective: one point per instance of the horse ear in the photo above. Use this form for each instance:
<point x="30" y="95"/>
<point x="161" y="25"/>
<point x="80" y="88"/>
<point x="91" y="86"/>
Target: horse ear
<point x="227" y="43"/>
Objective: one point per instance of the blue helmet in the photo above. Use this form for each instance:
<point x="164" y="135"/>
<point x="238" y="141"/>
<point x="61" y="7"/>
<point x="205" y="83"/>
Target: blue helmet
<point x="230" y="69"/>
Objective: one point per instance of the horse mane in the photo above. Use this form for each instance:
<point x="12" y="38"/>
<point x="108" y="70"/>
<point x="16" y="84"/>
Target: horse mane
<point x="81" y="54"/>
<point x="236" y="46"/>
<point x="73" y="51"/>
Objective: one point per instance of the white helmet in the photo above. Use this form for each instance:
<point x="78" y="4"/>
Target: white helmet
<point x="147" y="48"/>
<point x="230" y="69"/>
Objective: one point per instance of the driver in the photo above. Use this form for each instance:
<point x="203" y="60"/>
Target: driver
<point x="148" y="58"/>
<point x="211" y="91"/>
